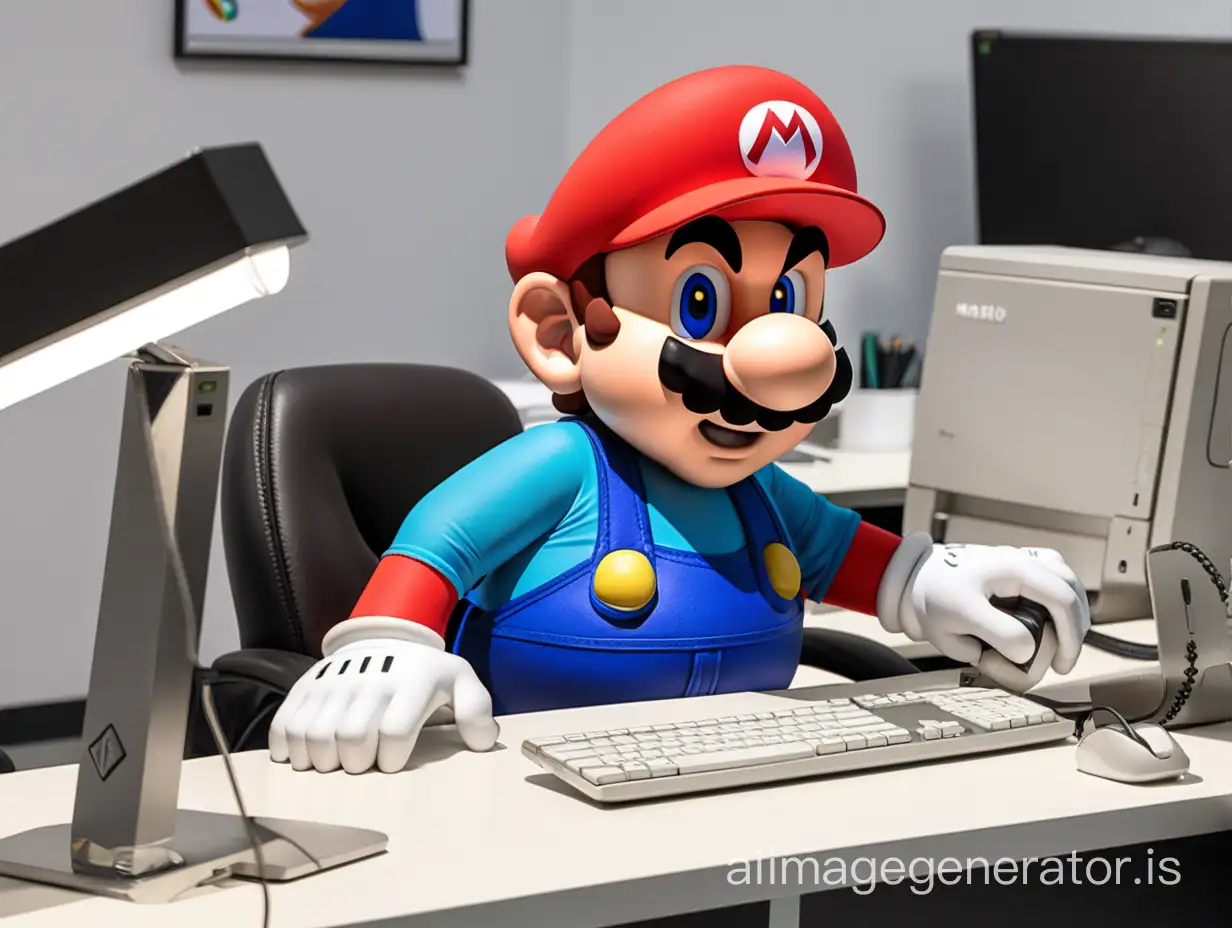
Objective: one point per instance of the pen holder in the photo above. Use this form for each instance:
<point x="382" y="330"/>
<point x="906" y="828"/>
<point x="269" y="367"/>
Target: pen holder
<point x="877" y="420"/>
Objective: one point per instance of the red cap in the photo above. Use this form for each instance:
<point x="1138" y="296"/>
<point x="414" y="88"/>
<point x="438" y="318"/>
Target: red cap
<point x="740" y="142"/>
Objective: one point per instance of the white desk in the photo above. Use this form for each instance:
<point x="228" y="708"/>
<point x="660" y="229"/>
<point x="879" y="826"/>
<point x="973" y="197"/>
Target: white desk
<point x="480" y="840"/>
<point x="856" y="478"/>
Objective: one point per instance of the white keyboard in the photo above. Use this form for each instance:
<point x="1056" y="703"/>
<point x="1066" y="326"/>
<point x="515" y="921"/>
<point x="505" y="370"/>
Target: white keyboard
<point x="854" y="727"/>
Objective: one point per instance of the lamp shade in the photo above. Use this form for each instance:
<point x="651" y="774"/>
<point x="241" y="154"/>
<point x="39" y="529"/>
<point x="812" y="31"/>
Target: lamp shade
<point x="180" y="246"/>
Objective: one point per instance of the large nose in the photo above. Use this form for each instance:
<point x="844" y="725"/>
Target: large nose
<point x="781" y="361"/>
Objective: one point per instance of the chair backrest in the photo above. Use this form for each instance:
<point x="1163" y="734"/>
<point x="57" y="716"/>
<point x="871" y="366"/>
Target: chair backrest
<point x="321" y="466"/>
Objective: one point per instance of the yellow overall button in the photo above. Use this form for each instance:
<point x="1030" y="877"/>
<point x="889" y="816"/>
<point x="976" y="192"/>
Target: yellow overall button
<point x="625" y="580"/>
<point x="783" y="570"/>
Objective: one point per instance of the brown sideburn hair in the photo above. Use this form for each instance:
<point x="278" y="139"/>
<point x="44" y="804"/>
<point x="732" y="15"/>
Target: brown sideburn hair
<point x="593" y="308"/>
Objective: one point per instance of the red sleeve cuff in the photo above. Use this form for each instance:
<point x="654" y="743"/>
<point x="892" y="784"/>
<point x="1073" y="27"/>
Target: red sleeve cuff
<point x="404" y="588"/>
<point x="859" y="576"/>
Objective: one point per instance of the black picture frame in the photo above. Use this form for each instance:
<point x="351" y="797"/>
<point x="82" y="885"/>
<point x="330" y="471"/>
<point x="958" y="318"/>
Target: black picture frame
<point x="453" y="54"/>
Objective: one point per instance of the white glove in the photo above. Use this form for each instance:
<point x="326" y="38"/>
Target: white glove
<point x="366" y="702"/>
<point x="940" y="594"/>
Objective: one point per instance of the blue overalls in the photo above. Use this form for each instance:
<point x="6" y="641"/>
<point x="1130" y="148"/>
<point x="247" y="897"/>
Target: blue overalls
<point x="715" y="623"/>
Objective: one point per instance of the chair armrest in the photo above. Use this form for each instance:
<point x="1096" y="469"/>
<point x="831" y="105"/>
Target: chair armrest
<point x="264" y="667"/>
<point x="852" y="656"/>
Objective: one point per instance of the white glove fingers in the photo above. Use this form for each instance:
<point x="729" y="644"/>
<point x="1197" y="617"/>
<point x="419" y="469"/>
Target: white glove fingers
<point x="1012" y="678"/>
<point x="997" y="629"/>
<point x="280" y="753"/>
<point x="321" y="730"/>
<point x="961" y="648"/>
<point x="1070" y="638"/>
<point x="399" y="727"/>
<point x="472" y="710"/>
<point x="1053" y="560"/>
<point x="297" y="728"/>
<point x="358" y="731"/>
<point x="1070" y="613"/>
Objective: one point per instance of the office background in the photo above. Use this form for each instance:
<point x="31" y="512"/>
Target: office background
<point x="408" y="181"/>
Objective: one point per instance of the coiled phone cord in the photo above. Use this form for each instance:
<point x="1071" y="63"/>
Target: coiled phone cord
<point x="1081" y="712"/>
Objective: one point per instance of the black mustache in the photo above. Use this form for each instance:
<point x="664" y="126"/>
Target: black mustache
<point x="698" y="377"/>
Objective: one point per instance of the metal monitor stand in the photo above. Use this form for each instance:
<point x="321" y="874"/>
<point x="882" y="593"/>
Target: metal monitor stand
<point x="128" y="839"/>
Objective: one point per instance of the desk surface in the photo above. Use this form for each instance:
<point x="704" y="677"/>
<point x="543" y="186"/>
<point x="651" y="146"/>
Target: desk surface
<point x="856" y="478"/>
<point x="487" y="840"/>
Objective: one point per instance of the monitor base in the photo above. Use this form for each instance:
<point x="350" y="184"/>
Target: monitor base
<point x="208" y="848"/>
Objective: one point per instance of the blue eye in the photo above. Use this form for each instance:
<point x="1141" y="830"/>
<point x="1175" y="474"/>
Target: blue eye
<point x="701" y="303"/>
<point x="788" y="294"/>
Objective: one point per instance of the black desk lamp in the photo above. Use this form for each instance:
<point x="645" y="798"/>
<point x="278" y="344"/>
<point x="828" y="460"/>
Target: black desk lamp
<point x="109" y="281"/>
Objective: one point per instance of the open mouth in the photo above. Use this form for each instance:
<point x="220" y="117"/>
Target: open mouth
<point x="726" y="438"/>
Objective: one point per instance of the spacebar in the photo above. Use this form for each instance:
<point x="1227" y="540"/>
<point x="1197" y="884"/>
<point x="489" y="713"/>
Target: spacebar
<point x="741" y="757"/>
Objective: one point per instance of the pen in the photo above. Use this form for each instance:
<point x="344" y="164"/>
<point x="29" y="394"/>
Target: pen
<point x="905" y="359"/>
<point x="893" y="364"/>
<point x="869" y="367"/>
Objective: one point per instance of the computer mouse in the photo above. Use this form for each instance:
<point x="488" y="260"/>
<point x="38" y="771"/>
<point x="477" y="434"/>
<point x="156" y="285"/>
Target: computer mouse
<point x="1022" y="676"/>
<point x="1147" y="755"/>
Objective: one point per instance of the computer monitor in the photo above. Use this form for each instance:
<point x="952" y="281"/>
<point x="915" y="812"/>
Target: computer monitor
<point x="1105" y="143"/>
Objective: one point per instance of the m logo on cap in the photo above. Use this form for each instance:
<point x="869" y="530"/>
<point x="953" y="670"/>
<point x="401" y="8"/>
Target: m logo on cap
<point x="780" y="139"/>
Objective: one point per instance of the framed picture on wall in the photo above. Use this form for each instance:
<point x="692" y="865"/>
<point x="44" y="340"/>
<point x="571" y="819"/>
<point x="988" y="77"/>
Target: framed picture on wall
<point x="390" y="31"/>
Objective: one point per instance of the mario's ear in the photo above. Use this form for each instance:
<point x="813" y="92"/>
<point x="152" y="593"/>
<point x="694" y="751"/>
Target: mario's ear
<point x="545" y="331"/>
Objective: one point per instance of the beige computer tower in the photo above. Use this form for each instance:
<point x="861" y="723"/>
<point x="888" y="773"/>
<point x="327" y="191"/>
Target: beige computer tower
<point x="1080" y="400"/>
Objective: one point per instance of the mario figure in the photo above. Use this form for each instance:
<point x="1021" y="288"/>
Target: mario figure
<point x="671" y="295"/>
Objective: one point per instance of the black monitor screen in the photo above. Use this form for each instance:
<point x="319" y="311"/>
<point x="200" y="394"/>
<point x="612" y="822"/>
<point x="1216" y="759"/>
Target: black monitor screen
<point x="1104" y="143"/>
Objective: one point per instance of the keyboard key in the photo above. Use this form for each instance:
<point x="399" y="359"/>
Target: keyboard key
<point x="830" y="746"/>
<point x="662" y="767"/>
<point x="601" y="776"/>
<point x="636" y="770"/>
<point x="741" y="757"/>
<point x="538" y="744"/>
<point x="578" y="764"/>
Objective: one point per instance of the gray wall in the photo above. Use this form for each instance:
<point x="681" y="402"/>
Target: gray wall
<point x="895" y="74"/>
<point x="407" y="180"/>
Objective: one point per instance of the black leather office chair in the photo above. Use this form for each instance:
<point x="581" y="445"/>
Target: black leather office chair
<point x="321" y="466"/>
